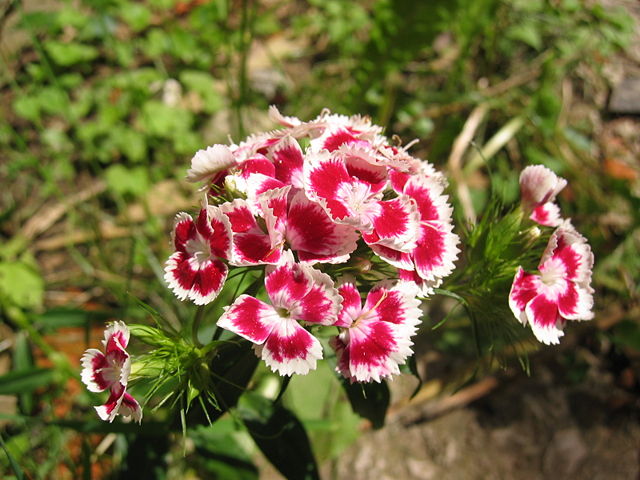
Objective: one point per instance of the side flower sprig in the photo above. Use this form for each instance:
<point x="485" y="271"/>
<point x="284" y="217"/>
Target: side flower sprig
<point x="110" y="370"/>
<point x="561" y="288"/>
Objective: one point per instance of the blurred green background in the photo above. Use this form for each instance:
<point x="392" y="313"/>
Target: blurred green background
<point x="103" y="103"/>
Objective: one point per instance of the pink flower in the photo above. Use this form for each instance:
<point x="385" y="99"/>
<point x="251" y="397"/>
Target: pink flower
<point x="298" y="293"/>
<point x="110" y="371"/>
<point x="561" y="291"/>
<point x="251" y="244"/>
<point x="436" y="248"/>
<point x="377" y="337"/>
<point x="538" y="188"/>
<point x="196" y="270"/>
<point x="350" y="189"/>
<point x="304" y="226"/>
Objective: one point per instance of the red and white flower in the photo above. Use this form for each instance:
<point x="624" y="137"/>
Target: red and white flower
<point x="436" y="248"/>
<point x="539" y="187"/>
<point x="561" y="291"/>
<point x="376" y="337"/>
<point x="251" y="244"/>
<point x="298" y="293"/>
<point x="110" y="371"/>
<point x="196" y="270"/>
<point x="302" y="225"/>
<point x="350" y="189"/>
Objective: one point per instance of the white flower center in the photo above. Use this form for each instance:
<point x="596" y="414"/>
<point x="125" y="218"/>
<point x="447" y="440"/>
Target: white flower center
<point x="199" y="249"/>
<point x="552" y="271"/>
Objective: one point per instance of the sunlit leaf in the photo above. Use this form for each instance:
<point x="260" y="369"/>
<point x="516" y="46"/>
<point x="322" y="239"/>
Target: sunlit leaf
<point x="66" y="54"/>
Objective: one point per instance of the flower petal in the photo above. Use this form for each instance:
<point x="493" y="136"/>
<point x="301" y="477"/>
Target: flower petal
<point x="310" y="231"/>
<point x="109" y="410"/>
<point x="288" y="160"/>
<point x="277" y="117"/>
<point x="539" y="185"/>
<point x="524" y="288"/>
<point x="323" y="178"/>
<point x="116" y="336"/>
<point x="393" y="257"/>
<point x="207" y="163"/>
<point x="256" y="164"/>
<point x="396" y="225"/>
<point x="93" y="361"/>
<point x="572" y="249"/>
<point x="321" y="303"/>
<point x="250" y="318"/>
<point x="287" y="282"/>
<point x="220" y="240"/>
<point x="200" y="281"/>
<point x="130" y="408"/>
<point x="397" y="305"/>
<point x="543" y="316"/>
<point x="351" y="305"/>
<point x="547" y="214"/>
<point x="575" y="303"/>
<point x="240" y="217"/>
<point x="290" y="349"/>
<point x="184" y="229"/>
<point x="436" y="251"/>
<point x="373" y="351"/>
<point x="427" y="191"/>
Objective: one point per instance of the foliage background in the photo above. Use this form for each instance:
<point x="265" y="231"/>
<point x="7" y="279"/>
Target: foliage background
<point x="103" y="102"/>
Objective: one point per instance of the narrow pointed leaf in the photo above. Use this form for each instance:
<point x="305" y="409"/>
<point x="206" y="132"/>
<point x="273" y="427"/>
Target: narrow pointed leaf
<point x="280" y="436"/>
<point x="369" y="400"/>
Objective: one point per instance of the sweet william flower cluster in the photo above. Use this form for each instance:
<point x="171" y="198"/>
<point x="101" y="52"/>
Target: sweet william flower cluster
<point x="561" y="289"/>
<point x="308" y="204"/>
<point x="348" y="233"/>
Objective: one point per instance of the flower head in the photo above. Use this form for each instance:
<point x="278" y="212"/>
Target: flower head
<point x="561" y="291"/>
<point x="376" y="337"/>
<point x="538" y="188"/>
<point x="110" y="371"/>
<point x="298" y="293"/>
<point x="436" y="249"/>
<point x="196" y="270"/>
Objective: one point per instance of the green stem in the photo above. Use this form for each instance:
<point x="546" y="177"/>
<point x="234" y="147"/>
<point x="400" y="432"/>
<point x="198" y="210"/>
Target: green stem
<point x="195" y="325"/>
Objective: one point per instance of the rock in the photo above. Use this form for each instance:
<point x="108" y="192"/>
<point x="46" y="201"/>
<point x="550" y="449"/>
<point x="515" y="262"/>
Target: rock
<point x="625" y="97"/>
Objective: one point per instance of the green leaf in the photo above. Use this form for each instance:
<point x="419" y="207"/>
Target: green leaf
<point x="132" y="143"/>
<point x="27" y="107"/>
<point x="165" y="121"/>
<point x="14" y="464"/>
<point x="150" y="335"/>
<point x="369" y="400"/>
<point x="21" y="284"/>
<point x="220" y="453"/>
<point x="66" y="54"/>
<point x="528" y="33"/>
<point x="136" y="15"/>
<point x="123" y="180"/>
<point x="56" y="318"/>
<point x="280" y="436"/>
<point x="14" y="383"/>
<point x="204" y="85"/>
<point x="53" y="100"/>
